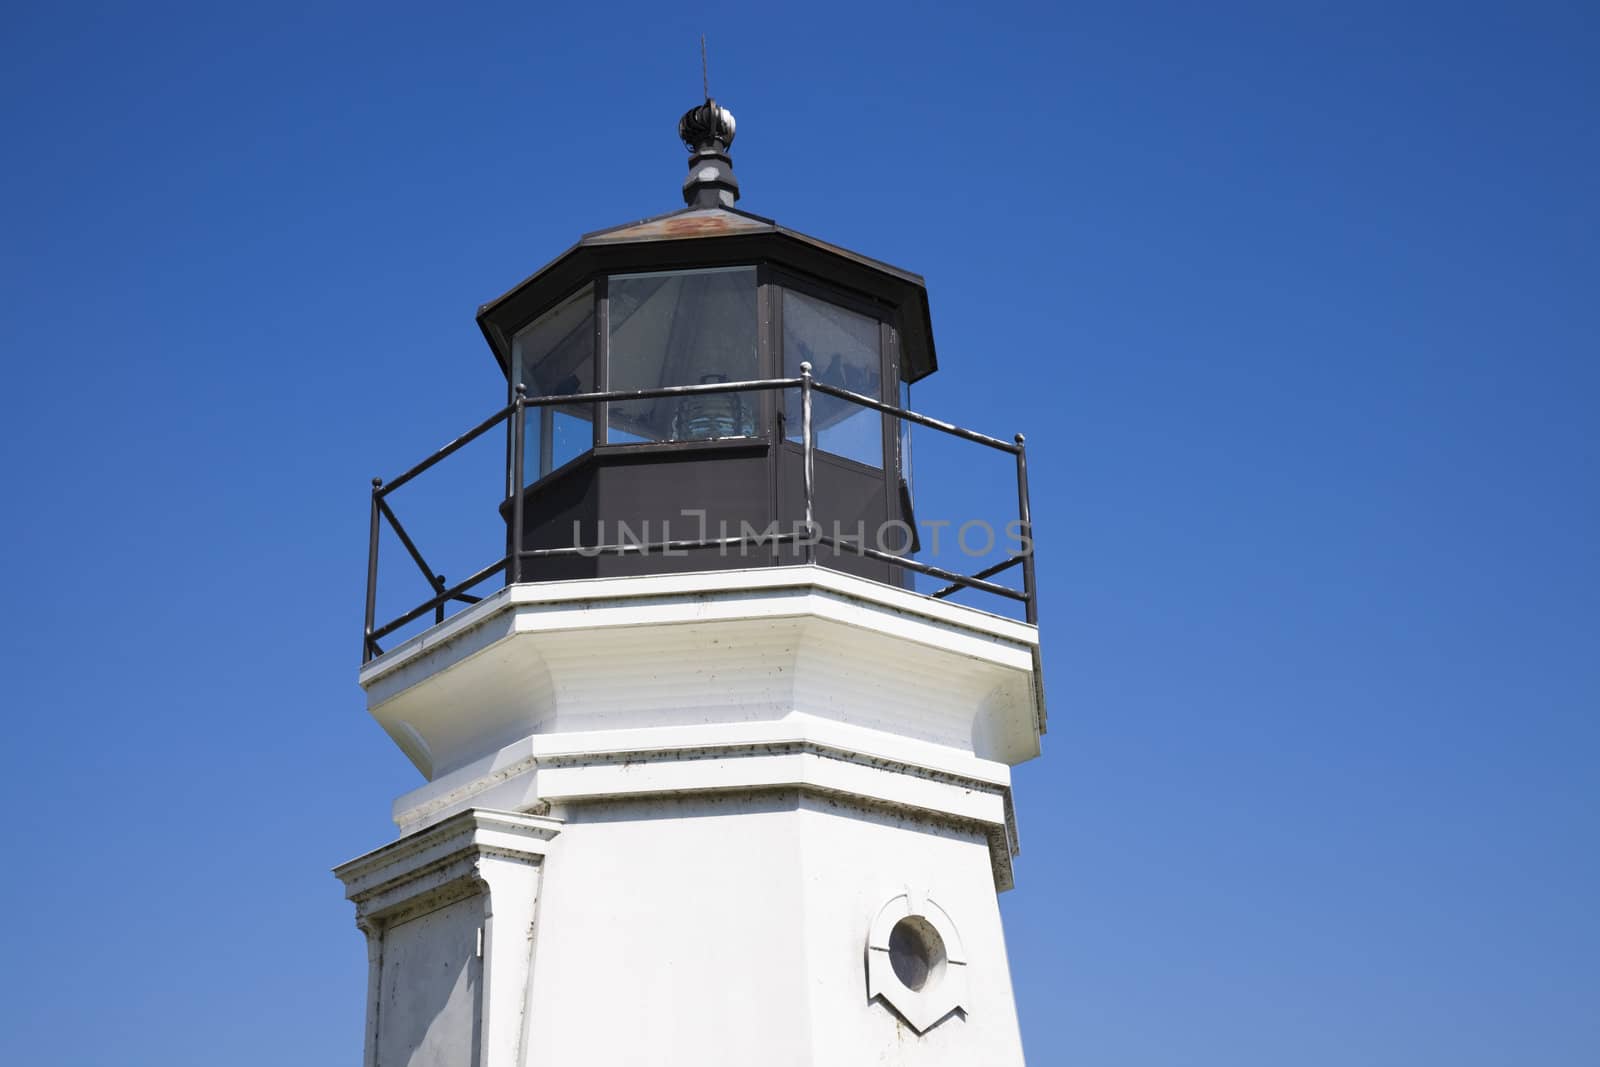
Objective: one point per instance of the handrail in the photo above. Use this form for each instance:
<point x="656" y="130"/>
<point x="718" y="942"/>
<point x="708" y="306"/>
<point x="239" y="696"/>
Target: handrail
<point x="428" y="605"/>
<point x="987" y="572"/>
<point x="511" y="563"/>
<point x="965" y="580"/>
<point x="448" y="450"/>
<point x="911" y="416"/>
<point x="617" y="396"/>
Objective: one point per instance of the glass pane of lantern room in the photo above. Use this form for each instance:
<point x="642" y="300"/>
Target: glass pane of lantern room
<point x="843" y="350"/>
<point x="554" y="356"/>
<point x="683" y="328"/>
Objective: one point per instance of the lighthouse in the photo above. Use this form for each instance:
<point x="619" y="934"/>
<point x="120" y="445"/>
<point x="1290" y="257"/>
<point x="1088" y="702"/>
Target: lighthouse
<point x="715" y="769"/>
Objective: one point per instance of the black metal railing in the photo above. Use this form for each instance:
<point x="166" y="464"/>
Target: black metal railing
<point x="809" y="540"/>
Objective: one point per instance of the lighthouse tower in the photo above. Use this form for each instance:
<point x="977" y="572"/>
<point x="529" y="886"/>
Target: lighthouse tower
<point x="716" y="771"/>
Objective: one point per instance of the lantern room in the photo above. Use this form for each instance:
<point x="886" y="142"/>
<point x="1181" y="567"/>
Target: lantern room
<point x="706" y="296"/>
<point x="705" y="390"/>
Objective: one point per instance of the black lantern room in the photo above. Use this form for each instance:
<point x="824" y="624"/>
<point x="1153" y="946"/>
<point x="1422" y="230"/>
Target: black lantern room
<point x="705" y="390"/>
<point x="681" y="309"/>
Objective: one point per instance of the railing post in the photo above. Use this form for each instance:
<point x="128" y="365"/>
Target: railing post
<point x="1025" y="513"/>
<point x="518" y="443"/>
<point x="438" y="587"/>
<point x="810" y="467"/>
<point x="372" y="575"/>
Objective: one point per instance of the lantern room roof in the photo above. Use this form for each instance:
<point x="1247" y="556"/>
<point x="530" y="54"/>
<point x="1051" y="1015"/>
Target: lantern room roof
<point x="713" y="236"/>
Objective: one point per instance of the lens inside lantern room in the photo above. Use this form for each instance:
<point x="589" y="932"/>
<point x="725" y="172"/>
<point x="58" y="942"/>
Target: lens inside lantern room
<point x="694" y="327"/>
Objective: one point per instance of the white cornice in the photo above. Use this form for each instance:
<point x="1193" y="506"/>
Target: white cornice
<point x="716" y="650"/>
<point x="385" y="878"/>
<point x="691" y="597"/>
<point x="815" y="756"/>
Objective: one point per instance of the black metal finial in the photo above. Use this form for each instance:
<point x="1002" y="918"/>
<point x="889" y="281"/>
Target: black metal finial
<point x="709" y="126"/>
<point x="707" y="132"/>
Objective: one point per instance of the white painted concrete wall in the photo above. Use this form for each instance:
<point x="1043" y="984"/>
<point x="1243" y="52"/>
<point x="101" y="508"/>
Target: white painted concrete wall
<point x="726" y="931"/>
<point x="731" y="777"/>
<point x="430" y="1011"/>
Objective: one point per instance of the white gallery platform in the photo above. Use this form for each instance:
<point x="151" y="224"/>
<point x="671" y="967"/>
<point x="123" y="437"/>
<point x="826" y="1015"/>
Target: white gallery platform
<point x="727" y="817"/>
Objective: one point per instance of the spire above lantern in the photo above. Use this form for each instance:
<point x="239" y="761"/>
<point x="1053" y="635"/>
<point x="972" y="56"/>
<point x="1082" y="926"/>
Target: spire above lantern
<point x="707" y="132"/>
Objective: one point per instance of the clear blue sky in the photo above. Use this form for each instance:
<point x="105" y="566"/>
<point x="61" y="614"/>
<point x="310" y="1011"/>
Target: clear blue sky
<point x="1296" y="302"/>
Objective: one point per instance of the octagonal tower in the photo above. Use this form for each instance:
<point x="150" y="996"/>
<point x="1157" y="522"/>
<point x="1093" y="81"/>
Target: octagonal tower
<point x="707" y="781"/>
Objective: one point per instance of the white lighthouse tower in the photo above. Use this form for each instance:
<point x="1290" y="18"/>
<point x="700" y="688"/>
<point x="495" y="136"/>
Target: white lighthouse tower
<point x="709" y="779"/>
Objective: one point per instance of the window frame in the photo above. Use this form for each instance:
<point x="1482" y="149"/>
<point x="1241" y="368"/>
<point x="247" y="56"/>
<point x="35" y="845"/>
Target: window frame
<point x="888" y="352"/>
<point x="771" y="280"/>
<point x="603" y="361"/>
<point x="514" y="372"/>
